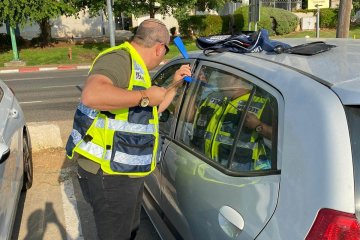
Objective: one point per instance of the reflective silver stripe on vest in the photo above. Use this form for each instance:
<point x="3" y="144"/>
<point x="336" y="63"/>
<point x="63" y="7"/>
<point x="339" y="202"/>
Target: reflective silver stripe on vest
<point x="91" y="113"/>
<point x="229" y="141"/>
<point x="108" y="155"/>
<point x="128" y="159"/>
<point x="120" y="125"/>
<point x="76" y="136"/>
<point x="92" y="149"/>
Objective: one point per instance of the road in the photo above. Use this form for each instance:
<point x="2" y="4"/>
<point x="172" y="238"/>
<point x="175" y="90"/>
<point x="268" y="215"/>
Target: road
<point x="52" y="97"/>
<point x="47" y="96"/>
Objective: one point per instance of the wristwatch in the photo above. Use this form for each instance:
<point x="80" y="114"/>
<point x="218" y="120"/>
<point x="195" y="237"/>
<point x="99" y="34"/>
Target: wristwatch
<point x="259" y="128"/>
<point x="144" y="101"/>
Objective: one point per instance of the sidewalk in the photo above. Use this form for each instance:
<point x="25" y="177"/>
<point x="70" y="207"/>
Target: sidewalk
<point x="54" y="207"/>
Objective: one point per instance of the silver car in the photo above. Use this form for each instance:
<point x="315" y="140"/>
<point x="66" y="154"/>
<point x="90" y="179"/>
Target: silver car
<point x="260" y="146"/>
<point x="16" y="170"/>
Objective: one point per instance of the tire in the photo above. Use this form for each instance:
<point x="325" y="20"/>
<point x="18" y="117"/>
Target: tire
<point x="28" y="164"/>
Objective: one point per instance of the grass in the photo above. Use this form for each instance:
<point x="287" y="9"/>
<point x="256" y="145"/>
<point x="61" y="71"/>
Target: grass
<point x="81" y="54"/>
<point x="85" y="54"/>
<point x="189" y="44"/>
<point x="324" y="33"/>
<point x="56" y="55"/>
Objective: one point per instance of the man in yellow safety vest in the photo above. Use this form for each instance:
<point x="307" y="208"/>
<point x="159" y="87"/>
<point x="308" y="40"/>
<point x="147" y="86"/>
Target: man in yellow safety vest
<point x="115" y="131"/>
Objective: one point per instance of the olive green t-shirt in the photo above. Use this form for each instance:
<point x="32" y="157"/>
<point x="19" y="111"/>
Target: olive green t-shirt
<point x="115" y="65"/>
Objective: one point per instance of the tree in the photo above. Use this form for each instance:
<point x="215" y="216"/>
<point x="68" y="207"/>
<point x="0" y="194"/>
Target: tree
<point x="203" y="5"/>
<point x="356" y="5"/>
<point x="40" y="11"/>
<point x="343" y="25"/>
<point x="137" y="8"/>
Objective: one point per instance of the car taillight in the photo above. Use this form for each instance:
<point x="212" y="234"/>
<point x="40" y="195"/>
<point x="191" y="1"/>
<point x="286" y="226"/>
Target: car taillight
<point x="331" y="224"/>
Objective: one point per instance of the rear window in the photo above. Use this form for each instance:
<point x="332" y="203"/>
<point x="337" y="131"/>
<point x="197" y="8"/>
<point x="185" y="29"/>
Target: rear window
<point x="353" y="117"/>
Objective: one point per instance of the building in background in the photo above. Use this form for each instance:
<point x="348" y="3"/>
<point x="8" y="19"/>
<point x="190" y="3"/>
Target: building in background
<point x="91" y="27"/>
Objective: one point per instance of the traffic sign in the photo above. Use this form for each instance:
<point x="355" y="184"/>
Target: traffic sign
<point x="312" y="4"/>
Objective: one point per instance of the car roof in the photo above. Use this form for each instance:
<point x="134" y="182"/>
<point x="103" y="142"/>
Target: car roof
<point x="337" y="68"/>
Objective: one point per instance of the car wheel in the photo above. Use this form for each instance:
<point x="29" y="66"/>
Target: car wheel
<point x="28" y="165"/>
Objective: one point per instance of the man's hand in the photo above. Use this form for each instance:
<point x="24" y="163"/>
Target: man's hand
<point x="182" y="72"/>
<point x="251" y="121"/>
<point x="156" y="95"/>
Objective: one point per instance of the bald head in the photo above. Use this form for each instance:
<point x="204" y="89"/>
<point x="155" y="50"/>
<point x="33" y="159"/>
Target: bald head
<point x="150" y="32"/>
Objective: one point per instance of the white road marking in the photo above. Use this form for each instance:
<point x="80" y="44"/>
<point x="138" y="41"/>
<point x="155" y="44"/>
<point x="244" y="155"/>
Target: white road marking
<point x="31" y="102"/>
<point x="41" y="78"/>
<point x="53" y="101"/>
<point x="71" y="214"/>
<point x="62" y="86"/>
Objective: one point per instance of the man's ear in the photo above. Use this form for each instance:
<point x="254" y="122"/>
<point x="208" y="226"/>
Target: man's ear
<point x="158" y="49"/>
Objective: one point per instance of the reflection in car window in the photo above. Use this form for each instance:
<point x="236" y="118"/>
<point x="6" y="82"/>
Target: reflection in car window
<point x="164" y="79"/>
<point x="224" y="107"/>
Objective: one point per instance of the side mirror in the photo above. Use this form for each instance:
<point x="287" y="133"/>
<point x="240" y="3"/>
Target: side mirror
<point x="164" y="116"/>
<point x="4" y="152"/>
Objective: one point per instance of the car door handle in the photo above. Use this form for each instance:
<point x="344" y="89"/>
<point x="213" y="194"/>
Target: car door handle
<point x="230" y="221"/>
<point x="14" y="113"/>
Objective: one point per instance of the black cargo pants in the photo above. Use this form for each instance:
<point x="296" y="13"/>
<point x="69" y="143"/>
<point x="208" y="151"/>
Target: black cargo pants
<point x="116" y="202"/>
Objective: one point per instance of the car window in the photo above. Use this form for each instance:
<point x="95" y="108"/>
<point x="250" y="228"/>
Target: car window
<point x="353" y="117"/>
<point x="230" y="121"/>
<point x="164" y="79"/>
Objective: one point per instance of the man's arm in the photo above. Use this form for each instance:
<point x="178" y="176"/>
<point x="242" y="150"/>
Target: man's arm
<point x="100" y="93"/>
<point x="252" y="122"/>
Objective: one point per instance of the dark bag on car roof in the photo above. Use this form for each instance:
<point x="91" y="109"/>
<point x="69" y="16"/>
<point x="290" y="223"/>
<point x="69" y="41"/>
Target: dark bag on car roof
<point x="244" y="42"/>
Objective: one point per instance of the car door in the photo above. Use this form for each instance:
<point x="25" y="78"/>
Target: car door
<point x="207" y="191"/>
<point x="167" y="121"/>
<point x="10" y="134"/>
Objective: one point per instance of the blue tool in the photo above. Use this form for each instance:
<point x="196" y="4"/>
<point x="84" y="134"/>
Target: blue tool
<point x="180" y="45"/>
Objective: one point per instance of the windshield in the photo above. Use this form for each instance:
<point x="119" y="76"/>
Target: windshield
<point x="353" y="117"/>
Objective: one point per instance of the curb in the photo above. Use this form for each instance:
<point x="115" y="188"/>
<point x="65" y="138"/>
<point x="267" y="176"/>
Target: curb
<point x="42" y="69"/>
<point x="44" y="135"/>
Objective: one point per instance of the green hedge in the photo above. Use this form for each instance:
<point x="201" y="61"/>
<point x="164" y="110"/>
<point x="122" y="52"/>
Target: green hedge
<point x="328" y="17"/>
<point x="276" y="21"/>
<point x="205" y="25"/>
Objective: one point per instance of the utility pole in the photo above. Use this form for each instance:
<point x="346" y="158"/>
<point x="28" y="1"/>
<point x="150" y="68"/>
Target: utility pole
<point x="254" y="13"/>
<point x="13" y="44"/>
<point x="343" y="25"/>
<point x="16" y="62"/>
<point x="111" y="23"/>
<point x="317" y="20"/>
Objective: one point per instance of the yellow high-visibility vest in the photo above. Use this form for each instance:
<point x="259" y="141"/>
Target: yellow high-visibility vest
<point x="215" y="123"/>
<point x="124" y="141"/>
<point x="222" y="133"/>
